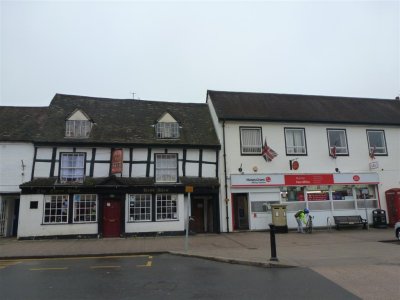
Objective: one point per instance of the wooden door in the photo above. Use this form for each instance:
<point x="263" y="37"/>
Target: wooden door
<point x="197" y="224"/>
<point x="112" y="218"/>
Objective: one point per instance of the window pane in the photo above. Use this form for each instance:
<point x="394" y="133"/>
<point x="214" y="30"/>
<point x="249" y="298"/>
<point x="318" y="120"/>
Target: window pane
<point x="295" y="141"/>
<point x="85" y="208"/>
<point x="376" y="140"/>
<point x="251" y="140"/>
<point x="166" y="168"/>
<point x="166" y="207"/>
<point x="77" y="128"/>
<point x="139" y="207"/>
<point x="72" y="167"/>
<point x="337" y="138"/>
<point x="56" y="209"/>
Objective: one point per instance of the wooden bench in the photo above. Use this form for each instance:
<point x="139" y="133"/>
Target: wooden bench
<point x="349" y="221"/>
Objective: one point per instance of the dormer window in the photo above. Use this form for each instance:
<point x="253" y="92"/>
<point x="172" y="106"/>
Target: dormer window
<point x="167" y="127"/>
<point x="78" y="125"/>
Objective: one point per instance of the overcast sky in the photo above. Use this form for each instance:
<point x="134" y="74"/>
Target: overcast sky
<point x="175" y="51"/>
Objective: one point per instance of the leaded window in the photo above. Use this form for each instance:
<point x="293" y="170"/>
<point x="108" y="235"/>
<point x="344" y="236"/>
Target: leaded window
<point x="72" y="167"/>
<point x="78" y="128"/>
<point x="85" y="208"/>
<point x="167" y="207"/>
<point x="166" y="167"/>
<point x="167" y="130"/>
<point x="139" y="207"/>
<point x="56" y="209"/>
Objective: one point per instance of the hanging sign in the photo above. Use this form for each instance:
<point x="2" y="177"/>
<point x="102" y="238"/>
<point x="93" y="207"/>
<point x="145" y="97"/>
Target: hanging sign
<point x="116" y="161"/>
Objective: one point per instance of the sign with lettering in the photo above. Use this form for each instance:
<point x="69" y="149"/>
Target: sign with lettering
<point x="256" y="180"/>
<point x="309" y="179"/>
<point x="116" y="161"/>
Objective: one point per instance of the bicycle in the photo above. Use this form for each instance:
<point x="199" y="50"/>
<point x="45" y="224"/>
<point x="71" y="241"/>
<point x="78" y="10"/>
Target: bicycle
<point x="309" y="224"/>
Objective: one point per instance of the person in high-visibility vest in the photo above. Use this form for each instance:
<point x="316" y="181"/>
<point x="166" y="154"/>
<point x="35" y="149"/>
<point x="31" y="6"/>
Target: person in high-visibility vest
<point x="301" y="218"/>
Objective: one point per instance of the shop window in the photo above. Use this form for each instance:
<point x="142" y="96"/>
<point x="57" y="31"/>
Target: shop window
<point x="85" y="208"/>
<point x="167" y="207"/>
<point x="376" y="142"/>
<point x="317" y="193"/>
<point x="250" y="140"/>
<point x="337" y="142"/>
<point x="166" y="168"/>
<point x="56" y="209"/>
<point x="366" y="196"/>
<point x="293" y="193"/>
<point x="259" y="206"/>
<point x="295" y="141"/>
<point x="342" y="192"/>
<point x="139" y="207"/>
<point x="72" y="167"/>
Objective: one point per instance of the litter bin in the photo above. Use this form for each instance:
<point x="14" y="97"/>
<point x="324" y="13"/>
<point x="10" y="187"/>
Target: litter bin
<point x="279" y="218"/>
<point x="379" y="218"/>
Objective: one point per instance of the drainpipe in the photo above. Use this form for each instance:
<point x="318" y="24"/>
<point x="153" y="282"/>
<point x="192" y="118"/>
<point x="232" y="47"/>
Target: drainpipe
<point x="226" y="180"/>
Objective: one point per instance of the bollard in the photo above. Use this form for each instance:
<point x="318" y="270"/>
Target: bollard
<point x="273" y="244"/>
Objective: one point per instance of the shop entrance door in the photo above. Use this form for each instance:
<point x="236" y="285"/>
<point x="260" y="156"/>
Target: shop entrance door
<point x="112" y="218"/>
<point x="241" y="212"/>
<point x="197" y="207"/>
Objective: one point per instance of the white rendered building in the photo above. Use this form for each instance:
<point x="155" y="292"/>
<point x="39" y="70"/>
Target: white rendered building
<point x="336" y="156"/>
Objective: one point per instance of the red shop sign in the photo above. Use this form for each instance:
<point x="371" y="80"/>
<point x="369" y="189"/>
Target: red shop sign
<point x="309" y="179"/>
<point x="116" y="161"/>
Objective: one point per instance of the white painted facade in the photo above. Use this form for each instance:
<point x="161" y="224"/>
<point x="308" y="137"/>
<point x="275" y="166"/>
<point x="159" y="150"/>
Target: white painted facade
<point x="317" y="161"/>
<point x="15" y="168"/>
<point x="137" y="163"/>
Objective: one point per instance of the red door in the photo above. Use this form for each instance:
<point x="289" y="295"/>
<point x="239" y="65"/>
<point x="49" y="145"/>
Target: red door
<point x="112" y="218"/>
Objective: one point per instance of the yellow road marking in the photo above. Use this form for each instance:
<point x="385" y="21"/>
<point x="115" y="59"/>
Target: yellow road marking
<point x="148" y="264"/>
<point x="77" y="258"/>
<point x="48" y="269"/>
<point x="104" y="267"/>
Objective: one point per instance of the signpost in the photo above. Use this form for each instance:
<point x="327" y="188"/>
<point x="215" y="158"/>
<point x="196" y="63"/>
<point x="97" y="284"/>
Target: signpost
<point x="188" y="189"/>
<point x="365" y="192"/>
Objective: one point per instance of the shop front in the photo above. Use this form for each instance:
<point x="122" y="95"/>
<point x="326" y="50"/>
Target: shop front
<point x="325" y="195"/>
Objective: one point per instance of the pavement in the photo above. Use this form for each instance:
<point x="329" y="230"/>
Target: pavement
<point x="355" y="259"/>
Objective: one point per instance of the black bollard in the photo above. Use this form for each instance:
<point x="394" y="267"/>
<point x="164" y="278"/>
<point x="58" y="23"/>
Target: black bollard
<point x="273" y="244"/>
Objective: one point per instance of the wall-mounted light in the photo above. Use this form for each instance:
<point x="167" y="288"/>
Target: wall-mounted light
<point x="240" y="169"/>
<point x="337" y="170"/>
<point x="255" y="168"/>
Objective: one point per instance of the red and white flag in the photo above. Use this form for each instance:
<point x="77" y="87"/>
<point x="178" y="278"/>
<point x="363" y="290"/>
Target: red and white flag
<point x="372" y="152"/>
<point x="333" y="152"/>
<point x="268" y="153"/>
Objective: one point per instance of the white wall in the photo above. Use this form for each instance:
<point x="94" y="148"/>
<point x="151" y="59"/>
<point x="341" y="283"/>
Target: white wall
<point x="317" y="159"/>
<point x="12" y="156"/>
<point x="30" y="221"/>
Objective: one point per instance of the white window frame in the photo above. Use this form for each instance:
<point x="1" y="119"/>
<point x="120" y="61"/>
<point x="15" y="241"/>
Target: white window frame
<point x="378" y="150"/>
<point x="166" y="167"/>
<point x="140" y="208"/>
<point x="251" y="140"/>
<point x="167" y="207"/>
<point x="167" y="130"/>
<point x="341" y="144"/>
<point x="55" y="209"/>
<point x="85" y="208"/>
<point x="295" y="144"/>
<point x="78" y="128"/>
<point x="72" y="167"/>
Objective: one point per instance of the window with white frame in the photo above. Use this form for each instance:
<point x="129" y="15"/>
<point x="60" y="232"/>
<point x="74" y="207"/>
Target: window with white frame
<point x="166" y="167"/>
<point x="78" y="128"/>
<point x="85" y="208"/>
<point x="337" y="141"/>
<point x="295" y="141"/>
<point x="72" y="167"/>
<point x="56" y="209"/>
<point x="377" y="142"/>
<point x="251" y="140"/>
<point x="167" y="130"/>
<point x="167" y="207"/>
<point x="139" y="207"/>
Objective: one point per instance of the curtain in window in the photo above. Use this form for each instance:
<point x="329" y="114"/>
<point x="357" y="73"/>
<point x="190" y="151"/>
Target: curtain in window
<point x="251" y="140"/>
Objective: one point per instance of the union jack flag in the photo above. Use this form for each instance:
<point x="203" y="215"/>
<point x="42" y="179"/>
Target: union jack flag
<point x="333" y="151"/>
<point x="372" y="152"/>
<point x="268" y="153"/>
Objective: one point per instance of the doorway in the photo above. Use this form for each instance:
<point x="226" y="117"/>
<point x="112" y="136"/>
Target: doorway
<point x="202" y="213"/>
<point x="240" y="212"/>
<point x="112" y="218"/>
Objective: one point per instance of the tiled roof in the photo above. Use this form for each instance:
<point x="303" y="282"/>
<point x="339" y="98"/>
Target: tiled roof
<point x="304" y="108"/>
<point x="122" y="122"/>
<point x="21" y="123"/>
